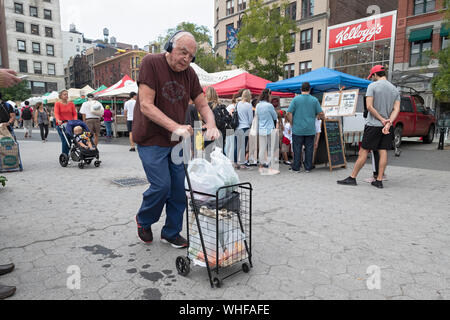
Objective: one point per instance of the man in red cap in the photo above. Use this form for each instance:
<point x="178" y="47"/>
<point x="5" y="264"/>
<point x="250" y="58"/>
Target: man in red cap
<point x="383" y="104"/>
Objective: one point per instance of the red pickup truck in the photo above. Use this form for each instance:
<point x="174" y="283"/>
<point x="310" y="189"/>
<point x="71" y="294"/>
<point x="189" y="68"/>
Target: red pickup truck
<point x="414" y="120"/>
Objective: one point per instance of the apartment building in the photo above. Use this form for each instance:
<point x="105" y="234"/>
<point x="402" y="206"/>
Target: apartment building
<point x="308" y="51"/>
<point x="420" y="30"/>
<point x="74" y="43"/>
<point x="31" y="42"/>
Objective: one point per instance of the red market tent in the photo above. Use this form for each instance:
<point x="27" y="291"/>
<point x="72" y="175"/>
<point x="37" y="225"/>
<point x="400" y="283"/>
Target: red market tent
<point x="227" y="88"/>
<point x="124" y="82"/>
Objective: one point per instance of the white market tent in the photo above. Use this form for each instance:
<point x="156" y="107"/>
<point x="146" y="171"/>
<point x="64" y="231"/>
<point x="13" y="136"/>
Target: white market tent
<point x="86" y="90"/>
<point x="52" y="97"/>
<point x="123" y="88"/>
<point x="209" y="79"/>
<point x="74" y="94"/>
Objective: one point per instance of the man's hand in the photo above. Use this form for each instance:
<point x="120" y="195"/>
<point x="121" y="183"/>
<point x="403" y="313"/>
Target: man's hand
<point x="184" y="131"/>
<point x="8" y="78"/>
<point x="212" y="133"/>
<point x="4" y="125"/>
<point x="387" y="128"/>
<point x="386" y="121"/>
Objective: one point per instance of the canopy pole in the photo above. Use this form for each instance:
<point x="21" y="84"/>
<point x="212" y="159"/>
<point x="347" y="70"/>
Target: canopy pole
<point x="115" y="117"/>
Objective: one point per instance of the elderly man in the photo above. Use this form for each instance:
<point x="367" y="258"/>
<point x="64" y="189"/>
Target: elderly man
<point x="8" y="79"/>
<point x="92" y="112"/>
<point x="166" y="84"/>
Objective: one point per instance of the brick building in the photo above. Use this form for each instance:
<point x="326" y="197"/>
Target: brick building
<point x="420" y="28"/>
<point x="110" y="71"/>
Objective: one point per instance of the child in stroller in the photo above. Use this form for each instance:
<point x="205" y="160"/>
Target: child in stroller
<point x="82" y="148"/>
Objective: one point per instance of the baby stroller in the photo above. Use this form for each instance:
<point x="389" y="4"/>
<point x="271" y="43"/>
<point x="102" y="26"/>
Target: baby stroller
<point x="77" y="153"/>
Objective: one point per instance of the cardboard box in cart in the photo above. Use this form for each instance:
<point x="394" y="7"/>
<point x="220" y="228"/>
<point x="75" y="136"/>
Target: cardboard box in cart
<point x="9" y="154"/>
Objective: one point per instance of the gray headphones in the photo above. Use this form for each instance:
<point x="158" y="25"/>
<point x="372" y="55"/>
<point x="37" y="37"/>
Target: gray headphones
<point x="169" y="45"/>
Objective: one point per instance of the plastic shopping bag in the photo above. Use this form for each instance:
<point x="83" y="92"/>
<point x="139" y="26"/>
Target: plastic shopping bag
<point x="224" y="167"/>
<point x="205" y="179"/>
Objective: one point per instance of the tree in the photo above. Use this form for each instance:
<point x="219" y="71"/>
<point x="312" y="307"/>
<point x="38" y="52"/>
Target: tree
<point x="441" y="82"/>
<point x="19" y="92"/>
<point x="264" y="39"/>
<point x="205" y="57"/>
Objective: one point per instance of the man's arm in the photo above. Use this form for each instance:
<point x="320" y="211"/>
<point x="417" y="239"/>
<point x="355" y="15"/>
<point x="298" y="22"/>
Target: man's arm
<point x="392" y="118"/>
<point x="205" y="111"/>
<point x="152" y="112"/>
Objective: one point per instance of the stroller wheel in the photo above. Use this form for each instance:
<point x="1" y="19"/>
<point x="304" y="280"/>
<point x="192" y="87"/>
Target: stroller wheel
<point x="183" y="266"/>
<point x="81" y="165"/>
<point x="97" y="164"/>
<point x="63" y="160"/>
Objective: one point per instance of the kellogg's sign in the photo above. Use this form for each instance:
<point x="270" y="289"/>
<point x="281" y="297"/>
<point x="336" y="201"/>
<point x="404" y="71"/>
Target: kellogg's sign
<point x="366" y="30"/>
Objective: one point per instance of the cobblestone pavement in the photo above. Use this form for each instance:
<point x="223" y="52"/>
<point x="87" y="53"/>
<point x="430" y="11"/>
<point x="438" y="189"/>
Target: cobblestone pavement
<point x="312" y="239"/>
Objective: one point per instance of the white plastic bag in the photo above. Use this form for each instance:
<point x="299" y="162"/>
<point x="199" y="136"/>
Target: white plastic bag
<point x="204" y="178"/>
<point x="224" y="167"/>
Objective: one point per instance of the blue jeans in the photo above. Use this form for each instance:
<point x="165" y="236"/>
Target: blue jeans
<point x="108" y="125"/>
<point x="298" y="143"/>
<point x="65" y="147"/>
<point x="166" y="189"/>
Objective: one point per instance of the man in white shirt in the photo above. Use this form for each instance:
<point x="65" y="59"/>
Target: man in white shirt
<point x="92" y="112"/>
<point x="129" y="111"/>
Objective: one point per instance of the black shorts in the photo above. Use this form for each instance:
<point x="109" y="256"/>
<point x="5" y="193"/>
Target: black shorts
<point x="374" y="139"/>
<point x="130" y="126"/>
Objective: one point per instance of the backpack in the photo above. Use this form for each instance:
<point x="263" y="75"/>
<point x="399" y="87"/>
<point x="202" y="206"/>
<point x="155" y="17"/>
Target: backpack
<point x="222" y="117"/>
<point x="26" y="114"/>
<point x="235" y="119"/>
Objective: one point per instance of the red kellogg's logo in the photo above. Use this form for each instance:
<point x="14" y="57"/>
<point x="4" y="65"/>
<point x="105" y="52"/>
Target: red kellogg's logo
<point x="371" y="30"/>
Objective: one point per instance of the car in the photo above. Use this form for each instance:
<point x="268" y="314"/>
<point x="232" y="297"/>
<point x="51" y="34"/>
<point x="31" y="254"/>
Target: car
<point x="414" y="120"/>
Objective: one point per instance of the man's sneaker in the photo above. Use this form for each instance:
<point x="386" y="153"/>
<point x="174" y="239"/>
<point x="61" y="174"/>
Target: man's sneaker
<point x="133" y="150"/>
<point x="378" y="184"/>
<point x="348" y="182"/>
<point x="178" y="243"/>
<point x="288" y="163"/>
<point x="145" y="235"/>
<point x="294" y="171"/>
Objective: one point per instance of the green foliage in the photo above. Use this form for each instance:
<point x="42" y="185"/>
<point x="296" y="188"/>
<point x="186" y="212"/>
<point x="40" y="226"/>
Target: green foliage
<point x="19" y="92"/>
<point x="265" y="39"/>
<point x="205" y="57"/>
<point x="3" y="181"/>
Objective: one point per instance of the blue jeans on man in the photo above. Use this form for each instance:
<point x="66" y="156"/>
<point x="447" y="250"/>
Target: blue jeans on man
<point x="166" y="189"/>
<point x="298" y="143"/>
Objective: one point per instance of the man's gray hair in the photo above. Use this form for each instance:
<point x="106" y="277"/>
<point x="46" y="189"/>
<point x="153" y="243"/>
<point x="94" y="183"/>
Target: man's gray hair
<point x="182" y="35"/>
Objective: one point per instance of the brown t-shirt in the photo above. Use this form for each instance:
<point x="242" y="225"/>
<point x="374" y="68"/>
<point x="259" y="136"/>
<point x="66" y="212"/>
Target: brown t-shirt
<point x="173" y="91"/>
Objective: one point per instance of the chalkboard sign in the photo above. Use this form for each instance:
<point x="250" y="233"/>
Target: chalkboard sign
<point x="335" y="144"/>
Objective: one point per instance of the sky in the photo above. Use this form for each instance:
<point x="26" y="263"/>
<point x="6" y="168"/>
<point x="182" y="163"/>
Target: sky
<point x="135" y="22"/>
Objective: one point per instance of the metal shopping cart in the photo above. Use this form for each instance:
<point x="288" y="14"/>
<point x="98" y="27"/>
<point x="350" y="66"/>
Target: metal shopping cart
<point x="219" y="232"/>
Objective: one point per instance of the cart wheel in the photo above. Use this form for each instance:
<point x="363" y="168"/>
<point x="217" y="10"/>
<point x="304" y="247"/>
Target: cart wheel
<point x="183" y="266"/>
<point x="217" y="282"/>
<point x="63" y="160"/>
<point x="97" y="164"/>
<point x="246" y="268"/>
<point x="81" y="165"/>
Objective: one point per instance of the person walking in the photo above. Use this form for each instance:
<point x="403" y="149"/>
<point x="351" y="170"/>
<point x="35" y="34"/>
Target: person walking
<point x="166" y="84"/>
<point x="64" y="111"/>
<point x="129" y="115"/>
<point x="302" y="113"/>
<point x="8" y="79"/>
<point x="42" y="118"/>
<point x="221" y="115"/>
<point x="267" y="118"/>
<point x="383" y="104"/>
<point x="245" y="113"/>
<point x="27" y="119"/>
<point x="92" y="112"/>
<point x="108" y="119"/>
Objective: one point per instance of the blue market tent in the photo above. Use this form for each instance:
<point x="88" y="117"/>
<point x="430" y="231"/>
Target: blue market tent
<point x="321" y="80"/>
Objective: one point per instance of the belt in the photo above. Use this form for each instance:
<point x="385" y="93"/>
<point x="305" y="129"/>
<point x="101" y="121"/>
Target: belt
<point x="93" y="119"/>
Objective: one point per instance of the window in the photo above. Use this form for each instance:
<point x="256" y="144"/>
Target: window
<point x="78" y="48"/>
<point x="71" y="39"/>
<point x="420" y="104"/>
<point x="35" y="29"/>
<point x="23" y="66"/>
<point x="445" y="43"/>
<point x="406" y="105"/>
<point x="37" y="67"/>
<point x="307" y="8"/>
<point x="50" y="50"/>
<point x="305" y="67"/>
<point x="21" y="46"/>
<point x="291" y="11"/>
<point x="47" y="14"/>
<point x="424" y="6"/>
<point x="293" y="42"/>
<point x="137" y="62"/>
<point x="230" y="7"/>
<point x="37" y="87"/>
<point x="289" y="71"/>
<point x="51" y="86"/>
<point x="18" y="8"/>
<point x="36" y="48"/>
<point x="420" y="53"/>
<point x="33" y="12"/>
<point x="319" y="36"/>
<point x="242" y="5"/>
<point x="20" y="27"/>
<point x="306" y="39"/>
<point x="49" y="32"/>
<point x="51" y="69"/>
